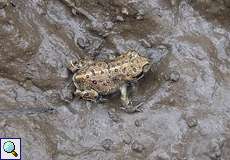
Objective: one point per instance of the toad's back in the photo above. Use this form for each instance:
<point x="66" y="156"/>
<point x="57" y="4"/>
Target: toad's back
<point x="107" y="77"/>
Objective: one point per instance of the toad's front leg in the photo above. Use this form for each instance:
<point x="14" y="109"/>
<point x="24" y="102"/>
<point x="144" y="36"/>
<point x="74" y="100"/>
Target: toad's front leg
<point x="90" y="95"/>
<point x="73" y="65"/>
<point x="126" y="104"/>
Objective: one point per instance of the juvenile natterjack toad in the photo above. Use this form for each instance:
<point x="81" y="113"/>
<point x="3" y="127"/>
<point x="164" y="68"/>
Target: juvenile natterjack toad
<point x="94" y="79"/>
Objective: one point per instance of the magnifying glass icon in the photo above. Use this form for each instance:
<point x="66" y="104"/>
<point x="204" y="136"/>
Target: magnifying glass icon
<point x="9" y="147"/>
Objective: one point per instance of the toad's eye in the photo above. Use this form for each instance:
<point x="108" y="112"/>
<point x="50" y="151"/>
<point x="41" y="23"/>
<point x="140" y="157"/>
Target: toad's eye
<point x="86" y="94"/>
<point x="74" y="62"/>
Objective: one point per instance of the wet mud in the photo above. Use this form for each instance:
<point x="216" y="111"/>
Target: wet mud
<point x="186" y="106"/>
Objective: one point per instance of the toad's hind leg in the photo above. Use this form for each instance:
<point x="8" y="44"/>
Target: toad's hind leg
<point x="126" y="104"/>
<point x="124" y="95"/>
<point x="90" y="95"/>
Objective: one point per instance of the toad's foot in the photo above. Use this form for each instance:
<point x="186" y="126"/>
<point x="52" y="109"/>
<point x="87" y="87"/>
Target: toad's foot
<point x="72" y="66"/>
<point x="90" y="95"/>
<point x="130" y="108"/>
<point x="126" y="104"/>
<point x="102" y="99"/>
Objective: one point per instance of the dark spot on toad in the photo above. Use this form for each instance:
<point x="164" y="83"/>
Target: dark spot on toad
<point x="115" y="78"/>
<point x="93" y="72"/>
<point x="94" y="82"/>
<point x="123" y="70"/>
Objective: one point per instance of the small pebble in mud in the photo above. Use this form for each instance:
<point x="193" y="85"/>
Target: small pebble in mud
<point x="3" y="3"/>
<point x="125" y="11"/>
<point x="97" y="43"/>
<point x="145" y="43"/>
<point x="173" y="76"/>
<point x="107" y="144"/>
<point x="155" y="40"/>
<point x="82" y="43"/>
<point x="163" y="48"/>
<point x="27" y="84"/>
<point x="215" y="148"/>
<point x="137" y="147"/>
<point x="120" y="19"/>
<point x="127" y="138"/>
<point x="114" y="117"/>
<point x="140" y="15"/>
<point x="191" y="122"/>
<point x="108" y="25"/>
<point x="98" y="28"/>
<point x="137" y="123"/>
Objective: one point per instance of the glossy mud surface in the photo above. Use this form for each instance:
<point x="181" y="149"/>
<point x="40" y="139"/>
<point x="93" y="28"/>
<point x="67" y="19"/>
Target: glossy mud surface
<point x="186" y="111"/>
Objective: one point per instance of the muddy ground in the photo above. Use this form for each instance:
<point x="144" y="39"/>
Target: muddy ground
<point x="186" y="111"/>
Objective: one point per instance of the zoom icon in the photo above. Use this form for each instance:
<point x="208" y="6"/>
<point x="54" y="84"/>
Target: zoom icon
<point x="10" y="148"/>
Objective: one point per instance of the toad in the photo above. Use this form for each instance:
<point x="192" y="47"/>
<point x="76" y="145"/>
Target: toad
<point x="95" y="79"/>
